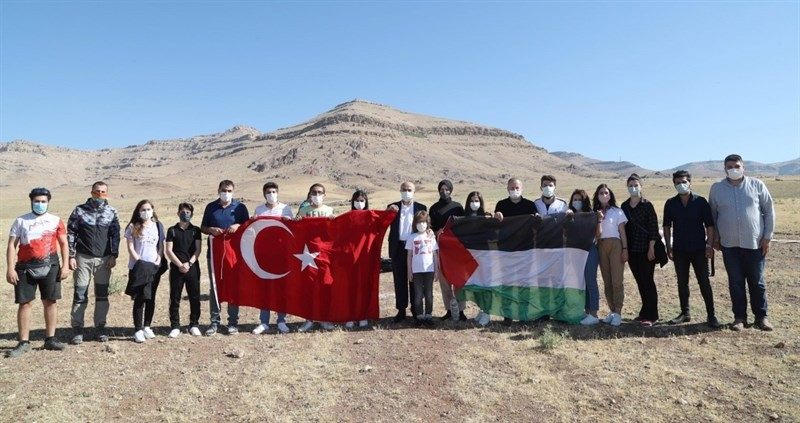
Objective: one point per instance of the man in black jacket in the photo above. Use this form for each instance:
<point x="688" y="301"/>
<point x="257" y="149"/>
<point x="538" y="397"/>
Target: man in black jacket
<point x="401" y="228"/>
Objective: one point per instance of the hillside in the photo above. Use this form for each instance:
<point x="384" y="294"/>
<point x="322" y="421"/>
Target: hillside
<point x="713" y="168"/>
<point x="617" y="168"/>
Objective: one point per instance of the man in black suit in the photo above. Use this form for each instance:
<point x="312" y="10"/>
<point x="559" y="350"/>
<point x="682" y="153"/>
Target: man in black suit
<point x="400" y="230"/>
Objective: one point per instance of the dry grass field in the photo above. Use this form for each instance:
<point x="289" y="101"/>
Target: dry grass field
<point x="538" y="372"/>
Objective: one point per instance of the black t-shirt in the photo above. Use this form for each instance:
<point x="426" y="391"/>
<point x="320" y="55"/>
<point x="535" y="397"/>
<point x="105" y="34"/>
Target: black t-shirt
<point x="509" y="208"/>
<point x="183" y="241"/>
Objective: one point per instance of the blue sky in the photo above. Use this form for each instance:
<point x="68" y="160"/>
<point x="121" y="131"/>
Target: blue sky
<point x="659" y="84"/>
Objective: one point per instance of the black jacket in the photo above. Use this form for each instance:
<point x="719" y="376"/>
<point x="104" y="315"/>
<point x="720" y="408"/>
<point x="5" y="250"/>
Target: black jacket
<point x="394" y="230"/>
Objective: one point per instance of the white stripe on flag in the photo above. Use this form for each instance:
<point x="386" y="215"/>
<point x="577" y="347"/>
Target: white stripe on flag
<point x="546" y="268"/>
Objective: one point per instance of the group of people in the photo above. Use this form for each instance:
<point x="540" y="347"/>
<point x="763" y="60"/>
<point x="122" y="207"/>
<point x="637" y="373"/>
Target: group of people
<point x="738" y="220"/>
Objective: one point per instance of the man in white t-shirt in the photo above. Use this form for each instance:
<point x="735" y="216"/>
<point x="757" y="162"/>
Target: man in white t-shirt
<point x="548" y="203"/>
<point x="272" y="207"/>
<point x="40" y="236"/>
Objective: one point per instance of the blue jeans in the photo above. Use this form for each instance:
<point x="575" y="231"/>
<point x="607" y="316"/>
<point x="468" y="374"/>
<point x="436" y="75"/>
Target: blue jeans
<point x="745" y="266"/>
<point x="590" y="275"/>
<point x="264" y="317"/>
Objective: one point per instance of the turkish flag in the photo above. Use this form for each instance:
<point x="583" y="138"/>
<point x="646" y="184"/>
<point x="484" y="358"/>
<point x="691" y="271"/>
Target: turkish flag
<point x="316" y="268"/>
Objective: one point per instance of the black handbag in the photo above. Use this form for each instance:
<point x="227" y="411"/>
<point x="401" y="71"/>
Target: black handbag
<point x="659" y="249"/>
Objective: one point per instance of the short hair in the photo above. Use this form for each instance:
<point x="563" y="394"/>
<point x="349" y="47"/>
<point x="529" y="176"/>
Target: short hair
<point x="548" y="178"/>
<point x="99" y="184"/>
<point x="269" y="185"/>
<point x="226" y="183"/>
<point x="680" y="174"/>
<point x="187" y="206"/>
<point x="421" y="216"/>
<point x="634" y="177"/>
<point x="510" y="180"/>
<point x="733" y="158"/>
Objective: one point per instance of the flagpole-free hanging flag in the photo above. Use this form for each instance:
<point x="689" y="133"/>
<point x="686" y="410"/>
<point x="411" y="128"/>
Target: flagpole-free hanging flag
<point x="316" y="268"/>
<point x="524" y="267"/>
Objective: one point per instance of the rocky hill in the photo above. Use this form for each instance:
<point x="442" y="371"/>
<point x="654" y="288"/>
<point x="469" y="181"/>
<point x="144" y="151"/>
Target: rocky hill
<point x="617" y="168"/>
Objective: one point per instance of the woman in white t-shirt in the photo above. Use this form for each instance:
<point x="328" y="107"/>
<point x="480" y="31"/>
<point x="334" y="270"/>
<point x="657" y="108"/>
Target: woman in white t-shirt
<point x="423" y="266"/>
<point x="613" y="248"/>
<point x="145" y="238"/>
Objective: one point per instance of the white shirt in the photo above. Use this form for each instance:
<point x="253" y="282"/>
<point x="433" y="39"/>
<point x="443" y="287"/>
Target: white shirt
<point x="145" y="245"/>
<point x="278" y="210"/>
<point x="37" y="235"/>
<point x="421" y="247"/>
<point x="558" y="206"/>
<point x="406" y="218"/>
<point x="609" y="226"/>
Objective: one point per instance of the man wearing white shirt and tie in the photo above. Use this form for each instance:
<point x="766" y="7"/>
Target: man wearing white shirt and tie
<point x="398" y="233"/>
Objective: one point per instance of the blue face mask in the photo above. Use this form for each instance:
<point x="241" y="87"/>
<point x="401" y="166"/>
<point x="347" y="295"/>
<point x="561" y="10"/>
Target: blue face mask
<point x="39" y="208"/>
<point x="185" y="217"/>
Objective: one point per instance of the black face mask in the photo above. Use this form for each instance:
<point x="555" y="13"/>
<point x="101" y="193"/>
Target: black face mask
<point x="444" y="197"/>
<point x="185" y="217"/>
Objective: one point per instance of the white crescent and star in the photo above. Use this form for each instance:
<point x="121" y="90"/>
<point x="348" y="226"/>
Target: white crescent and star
<point x="247" y="247"/>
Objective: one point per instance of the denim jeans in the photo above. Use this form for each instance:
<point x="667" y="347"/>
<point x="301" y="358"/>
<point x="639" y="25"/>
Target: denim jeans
<point x="590" y="276"/>
<point x="745" y="269"/>
<point x="213" y="301"/>
<point x="264" y="317"/>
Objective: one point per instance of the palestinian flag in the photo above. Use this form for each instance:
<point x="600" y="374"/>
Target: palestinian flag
<point x="524" y="267"/>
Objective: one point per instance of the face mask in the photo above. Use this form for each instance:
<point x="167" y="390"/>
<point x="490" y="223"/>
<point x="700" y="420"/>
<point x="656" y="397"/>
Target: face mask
<point x="272" y="198"/>
<point x="444" y="196"/>
<point x="682" y="188"/>
<point x="735" y="174"/>
<point x="185" y="217"/>
<point x="359" y="205"/>
<point x="604" y="198"/>
<point x="514" y="194"/>
<point x="407" y="196"/>
<point x="39" y="208"/>
<point x="98" y="201"/>
<point x="422" y="226"/>
<point x="475" y="205"/>
<point x="317" y="199"/>
<point x="634" y="191"/>
<point x="548" y="191"/>
<point x="577" y="205"/>
<point x="146" y="214"/>
<point x="225" y="196"/>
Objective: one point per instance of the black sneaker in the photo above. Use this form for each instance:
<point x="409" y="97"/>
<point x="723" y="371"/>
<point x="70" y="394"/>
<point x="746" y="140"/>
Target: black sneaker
<point x="52" y="344"/>
<point x="446" y="316"/>
<point x="713" y="323"/>
<point x="428" y="323"/>
<point x="462" y="317"/>
<point x="682" y="318"/>
<point x="102" y="335"/>
<point x="21" y="348"/>
<point x="399" y="317"/>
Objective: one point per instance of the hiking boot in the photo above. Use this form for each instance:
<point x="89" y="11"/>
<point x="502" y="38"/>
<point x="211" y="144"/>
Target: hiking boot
<point x="102" y="335"/>
<point x="713" y="323"/>
<point x="682" y="318"/>
<point x="738" y="325"/>
<point x="764" y="324"/>
<point x="52" y="344"/>
<point x="21" y="348"/>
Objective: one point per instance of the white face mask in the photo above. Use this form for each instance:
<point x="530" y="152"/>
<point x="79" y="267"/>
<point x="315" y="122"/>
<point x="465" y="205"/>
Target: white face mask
<point x="272" y="198"/>
<point x="514" y="194"/>
<point x="634" y="191"/>
<point x="226" y="197"/>
<point x="577" y="205"/>
<point x="682" y="188"/>
<point x="317" y="199"/>
<point x="146" y="214"/>
<point x="734" y="173"/>
<point x="475" y="205"/>
<point x="604" y="198"/>
<point x="422" y="226"/>
<point x="406" y="195"/>
<point x="548" y="191"/>
<point x="359" y="205"/>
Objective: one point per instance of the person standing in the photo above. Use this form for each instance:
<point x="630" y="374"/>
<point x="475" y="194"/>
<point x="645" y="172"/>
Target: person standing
<point x="93" y="238"/>
<point x="548" y="203"/>
<point x="581" y="203"/>
<point x="183" y="247"/>
<point x="742" y="209"/>
<point x="440" y="213"/>
<point x="222" y="216"/>
<point x="423" y="267"/>
<point x="272" y="207"/>
<point x="399" y="231"/>
<point x="613" y="248"/>
<point x="642" y="233"/>
<point x="690" y="244"/>
<point x="40" y="236"/>
<point x="358" y="201"/>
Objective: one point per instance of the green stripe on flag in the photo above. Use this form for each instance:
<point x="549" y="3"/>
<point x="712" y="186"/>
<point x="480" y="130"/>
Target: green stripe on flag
<point x="528" y="303"/>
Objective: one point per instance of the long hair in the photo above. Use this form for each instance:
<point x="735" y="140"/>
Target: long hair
<point x="586" y="206"/>
<point x="359" y="193"/>
<point x="421" y="216"/>
<point x="612" y="201"/>
<point x="137" y="222"/>
<point x="468" y="209"/>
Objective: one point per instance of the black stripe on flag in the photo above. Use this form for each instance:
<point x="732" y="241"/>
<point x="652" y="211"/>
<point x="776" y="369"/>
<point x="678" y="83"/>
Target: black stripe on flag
<point x="520" y="233"/>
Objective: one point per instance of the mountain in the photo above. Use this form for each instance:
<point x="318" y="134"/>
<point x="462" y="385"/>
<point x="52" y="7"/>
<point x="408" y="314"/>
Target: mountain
<point x="617" y="168"/>
<point x="713" y="168"/>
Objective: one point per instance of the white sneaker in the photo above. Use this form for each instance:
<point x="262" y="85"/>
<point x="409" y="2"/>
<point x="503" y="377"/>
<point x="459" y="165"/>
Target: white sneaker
<point x="306" y="326"/>
<point x="148" y="333"/>
<point x="260" y="329"/>
<point x="232" y="330"/>
<point x="138" y="337"/>
<point x="483" y="319"/>
<point x="327" y="326"/>
<point x="194" y="331"/>
<point x="616" y="320"/>
<point x="590" y="320"/>
<point x="174" y="333"/>
<point x="283" y="328"/>
<point x="363" y="323"/>
<point x="609" y="317"/>
<point x="349" y="325"/>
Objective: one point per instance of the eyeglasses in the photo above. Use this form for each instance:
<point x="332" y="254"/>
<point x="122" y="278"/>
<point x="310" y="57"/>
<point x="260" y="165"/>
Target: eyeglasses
<point x="318" y="192"/>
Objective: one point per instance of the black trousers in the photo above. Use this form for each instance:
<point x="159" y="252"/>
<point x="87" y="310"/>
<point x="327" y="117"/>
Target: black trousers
<point x="143" y="310"/>
<point x="177" y="280"/>
<point x="642" y="270"/>
<point x="698" y="261"/>
<point x="403" y="289"/>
